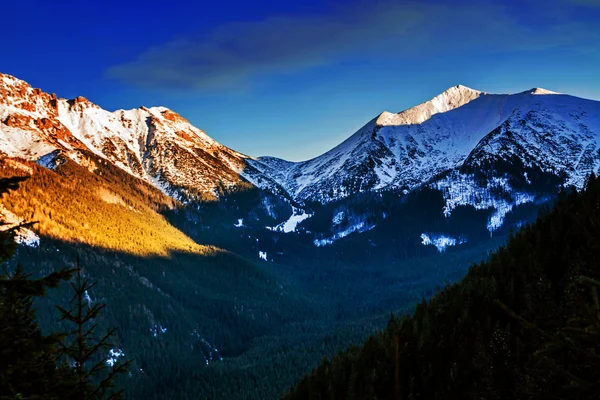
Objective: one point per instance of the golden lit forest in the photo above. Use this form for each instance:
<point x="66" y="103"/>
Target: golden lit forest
<point x="99" y="205"/>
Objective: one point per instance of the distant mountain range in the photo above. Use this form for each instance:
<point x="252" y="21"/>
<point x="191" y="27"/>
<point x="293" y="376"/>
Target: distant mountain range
<point x="488" y="151"/>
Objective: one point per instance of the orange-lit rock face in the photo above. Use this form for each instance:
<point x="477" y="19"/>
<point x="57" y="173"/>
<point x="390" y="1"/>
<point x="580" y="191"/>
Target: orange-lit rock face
<point x="173" y="116"/>
<point x="80" y="103"/>
<point x="20" y="95"/>
<point x="18" y="121"/>
<point x="44" y="123"/>
<point x="184" y="135"/>
<point x="55" y="131"/>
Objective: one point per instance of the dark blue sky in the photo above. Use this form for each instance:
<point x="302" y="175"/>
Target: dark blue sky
<point x="294" y="78"/>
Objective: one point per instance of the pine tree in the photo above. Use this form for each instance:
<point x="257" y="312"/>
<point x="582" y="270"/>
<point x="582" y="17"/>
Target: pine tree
<point x="28" y="358"/>
<point x="571" y="358"/>
<point x="95" y="378"/>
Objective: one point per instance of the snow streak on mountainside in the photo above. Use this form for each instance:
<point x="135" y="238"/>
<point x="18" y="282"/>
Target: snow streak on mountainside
<point x="292" y="222"/>
<point x="360" y="227"/>
<point x="154" y="144"/>
<point x="555" y="132"/>
<point x="441" y="242"/>
<point x="497" y="194"/>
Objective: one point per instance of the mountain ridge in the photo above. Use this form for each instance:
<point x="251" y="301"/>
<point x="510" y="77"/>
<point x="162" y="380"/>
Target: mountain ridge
<point x="393" y="152"/>
<point x="154" y="144"/>
<point x="402" y="151"/>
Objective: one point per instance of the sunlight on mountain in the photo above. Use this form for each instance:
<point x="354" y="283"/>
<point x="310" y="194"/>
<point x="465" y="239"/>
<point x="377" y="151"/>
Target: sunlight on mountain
<point x="75" y="205"/>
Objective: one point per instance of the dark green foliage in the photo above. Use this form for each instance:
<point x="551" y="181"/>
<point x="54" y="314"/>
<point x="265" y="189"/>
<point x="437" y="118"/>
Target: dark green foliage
<point x="271" y="322"/>
<point x="569" y="359"/>
<point x="522" y="325"/>
<point x="81" y="349"/>
<point x="28" y="358"/>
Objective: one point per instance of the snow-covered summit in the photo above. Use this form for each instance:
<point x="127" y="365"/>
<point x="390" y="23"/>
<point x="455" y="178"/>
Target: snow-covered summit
<point x="407" y="149"/>
<point x="541" y="91"/>
<point x="154" y="144"/>
<point x="454" y="97"/>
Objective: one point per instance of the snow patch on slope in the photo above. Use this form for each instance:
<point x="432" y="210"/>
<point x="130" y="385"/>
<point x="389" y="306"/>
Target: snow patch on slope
<point x="338" y="218"/>
<point x="23" y="236"/>
<point x="462" y="190"/>
<point x="360" y="227"/>
<point x="290" y="225"/>
<point x="28" y="238"/>
<point x="210" y="352"/>
<point x="441" y="242"/>
<point x="113" y="356"/>
<point x="51" y="160"/>
<point x="158" y="329"/>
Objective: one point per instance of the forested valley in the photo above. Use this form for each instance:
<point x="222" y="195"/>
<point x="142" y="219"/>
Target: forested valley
<point x="523" y="325"/>
<point x="207" y="321"/>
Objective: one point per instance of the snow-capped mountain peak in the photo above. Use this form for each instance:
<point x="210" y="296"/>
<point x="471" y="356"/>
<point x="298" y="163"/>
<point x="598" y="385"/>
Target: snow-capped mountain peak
<point x="538" y="90"/>
<point x="454" y="97"/>
<point x="406" y="149"/>
<point x="154" y="144"/>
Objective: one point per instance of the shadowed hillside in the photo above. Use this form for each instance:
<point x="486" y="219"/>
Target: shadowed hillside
<point x="522" y="325"/>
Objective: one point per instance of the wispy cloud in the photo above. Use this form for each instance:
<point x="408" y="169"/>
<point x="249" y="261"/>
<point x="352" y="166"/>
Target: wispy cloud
<point x="234" y="53"/>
